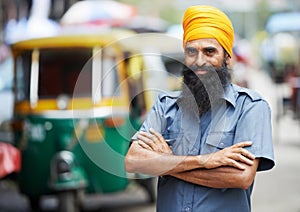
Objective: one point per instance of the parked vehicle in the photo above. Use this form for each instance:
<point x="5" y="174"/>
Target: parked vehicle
<point x="78" y="101"/>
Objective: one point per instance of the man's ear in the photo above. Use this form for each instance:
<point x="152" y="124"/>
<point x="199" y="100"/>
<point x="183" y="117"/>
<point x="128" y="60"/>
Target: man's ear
<point x="227" y="59"/>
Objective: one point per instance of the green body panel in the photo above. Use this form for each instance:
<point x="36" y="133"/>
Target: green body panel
<point x="101" y="159"/>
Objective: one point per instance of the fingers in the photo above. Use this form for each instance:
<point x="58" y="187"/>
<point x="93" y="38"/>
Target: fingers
<point x="153" y="136"/>
<point x="243" y="159"/>
<point x="239" y="154"/>
<point x="146" y="139"/>
<point x="157" y="135"/>
<point x="236" y="156"/>
<point x="237" y="165"/>
<point x="154" y="140"/>
<point x="247" y="154"/>
<point x="239" y="149"/>
<point x="141" y="144"/>
<point x="237" y="161"/>
<point x="243" y="144"/>
<point x="144" y="145"/>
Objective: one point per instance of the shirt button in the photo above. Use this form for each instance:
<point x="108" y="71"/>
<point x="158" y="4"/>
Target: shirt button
<point x="187" y="209"/>
<point x="221" y="144"/>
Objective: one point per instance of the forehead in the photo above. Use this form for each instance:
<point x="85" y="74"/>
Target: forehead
<point x="204" y="43"/>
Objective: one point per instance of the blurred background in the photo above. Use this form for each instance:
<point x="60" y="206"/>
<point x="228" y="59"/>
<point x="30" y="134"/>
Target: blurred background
<point x="266" y="58"/>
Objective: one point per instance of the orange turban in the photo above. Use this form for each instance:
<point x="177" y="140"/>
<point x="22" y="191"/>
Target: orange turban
<point x="208" y="22"/>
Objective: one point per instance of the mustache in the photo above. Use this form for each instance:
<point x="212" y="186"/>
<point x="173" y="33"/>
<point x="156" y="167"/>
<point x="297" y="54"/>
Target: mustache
<point x="221" y="74"/>
<point x="207" y="68"/>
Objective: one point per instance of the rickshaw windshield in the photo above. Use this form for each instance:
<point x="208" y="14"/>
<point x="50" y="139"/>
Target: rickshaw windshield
<point x="59" y="70"/>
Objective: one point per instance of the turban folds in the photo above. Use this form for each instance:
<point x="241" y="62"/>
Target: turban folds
<point x="208" y="22"/>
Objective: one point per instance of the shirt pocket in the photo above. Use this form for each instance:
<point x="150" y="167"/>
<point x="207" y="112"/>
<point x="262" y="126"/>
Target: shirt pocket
<point x="218" y="140"/>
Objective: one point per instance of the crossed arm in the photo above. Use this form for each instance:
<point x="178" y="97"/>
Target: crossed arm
<point x="231" y="167"/>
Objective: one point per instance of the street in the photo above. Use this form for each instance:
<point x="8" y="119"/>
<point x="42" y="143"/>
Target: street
<point x="133" y="199"/>
<point x="277" y="190"/>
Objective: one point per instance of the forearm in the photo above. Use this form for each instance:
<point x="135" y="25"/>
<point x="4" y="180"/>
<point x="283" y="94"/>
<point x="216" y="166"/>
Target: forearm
<point x="140" y="160"/>
<point x="221" y="177"/>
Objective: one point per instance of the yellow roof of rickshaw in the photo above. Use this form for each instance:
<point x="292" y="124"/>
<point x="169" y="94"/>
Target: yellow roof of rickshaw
<point x="102" y="38"/>
<point x="126" y="39"/>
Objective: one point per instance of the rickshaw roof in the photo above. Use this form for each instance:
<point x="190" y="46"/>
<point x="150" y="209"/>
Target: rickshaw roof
<point x="125" y="39"/>
<point x="102" y="38"/>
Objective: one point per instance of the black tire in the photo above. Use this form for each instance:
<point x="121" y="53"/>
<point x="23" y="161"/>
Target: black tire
<point x="68" y="201"/>
<point x="34" y="204"/>
<point x="149" y="184"/>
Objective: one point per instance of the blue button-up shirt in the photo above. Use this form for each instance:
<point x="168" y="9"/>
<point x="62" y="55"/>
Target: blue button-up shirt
<point x="244" y="116"/>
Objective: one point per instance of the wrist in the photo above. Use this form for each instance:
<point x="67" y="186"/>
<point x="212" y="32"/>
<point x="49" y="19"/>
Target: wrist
<point x="200" y="160"/>
<point x="203" y="161"/>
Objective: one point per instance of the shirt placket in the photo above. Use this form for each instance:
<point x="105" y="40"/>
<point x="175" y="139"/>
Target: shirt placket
<point x="191" y="128"/>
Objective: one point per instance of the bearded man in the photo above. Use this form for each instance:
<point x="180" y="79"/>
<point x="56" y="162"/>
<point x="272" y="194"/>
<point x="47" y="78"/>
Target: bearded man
<point x="207" y="142"/>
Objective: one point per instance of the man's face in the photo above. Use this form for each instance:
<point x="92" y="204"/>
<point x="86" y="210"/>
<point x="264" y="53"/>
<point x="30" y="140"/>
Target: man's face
<point x="206" y="73"/>
<point x="204" y="52"/>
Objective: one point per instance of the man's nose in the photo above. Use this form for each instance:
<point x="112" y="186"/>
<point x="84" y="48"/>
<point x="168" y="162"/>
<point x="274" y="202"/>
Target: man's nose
<point x="201" y="59"/>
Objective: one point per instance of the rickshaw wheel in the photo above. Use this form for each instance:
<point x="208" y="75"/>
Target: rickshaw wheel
<point x="149" y="185"/>
<point x="68" y="201"/>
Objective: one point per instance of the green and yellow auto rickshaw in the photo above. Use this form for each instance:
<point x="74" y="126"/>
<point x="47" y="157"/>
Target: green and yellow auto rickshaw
<point x="78" y="101"/>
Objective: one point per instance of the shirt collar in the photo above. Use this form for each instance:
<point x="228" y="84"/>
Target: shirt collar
<point x="229" y="95"/>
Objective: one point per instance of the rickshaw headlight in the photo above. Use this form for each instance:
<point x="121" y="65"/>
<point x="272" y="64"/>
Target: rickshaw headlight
<point x="63" y="167"/>
<point x="62" y="102"/>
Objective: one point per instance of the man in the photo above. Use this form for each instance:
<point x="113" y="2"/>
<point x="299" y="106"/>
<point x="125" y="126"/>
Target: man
<point x="206" y="142"/>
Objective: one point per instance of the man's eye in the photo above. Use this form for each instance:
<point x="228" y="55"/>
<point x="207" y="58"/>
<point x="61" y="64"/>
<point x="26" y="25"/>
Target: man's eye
<point x="210" y="51"/>
<point x="191" y="51"/>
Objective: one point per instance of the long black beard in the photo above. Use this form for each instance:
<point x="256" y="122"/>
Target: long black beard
<point x="204" y="91"/>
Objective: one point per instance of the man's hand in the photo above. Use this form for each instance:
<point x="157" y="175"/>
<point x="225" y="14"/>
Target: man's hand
<point x="234" y="156"/>
<point x="153" y="141"/>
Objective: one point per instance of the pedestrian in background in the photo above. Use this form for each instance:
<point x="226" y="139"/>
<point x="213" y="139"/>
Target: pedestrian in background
<point x="207" y="141"/>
